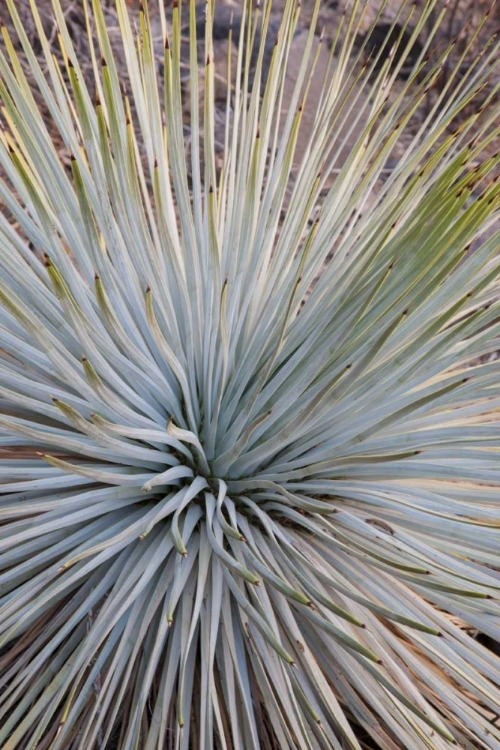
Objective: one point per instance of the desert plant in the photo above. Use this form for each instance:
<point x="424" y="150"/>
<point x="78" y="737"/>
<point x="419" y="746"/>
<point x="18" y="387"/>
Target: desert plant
<point x="249" y="496"/>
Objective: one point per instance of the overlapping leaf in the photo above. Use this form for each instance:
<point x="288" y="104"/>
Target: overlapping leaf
<point x="248" y="496"/>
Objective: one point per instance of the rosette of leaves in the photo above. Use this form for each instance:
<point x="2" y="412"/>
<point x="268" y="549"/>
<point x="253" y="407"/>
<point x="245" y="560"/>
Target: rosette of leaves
<point x="249" y="498"/>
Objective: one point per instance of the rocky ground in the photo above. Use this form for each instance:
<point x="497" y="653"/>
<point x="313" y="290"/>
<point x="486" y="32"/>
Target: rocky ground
<point x="462" y="21"/>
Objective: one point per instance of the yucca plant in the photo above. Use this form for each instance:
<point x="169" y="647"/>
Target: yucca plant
<point x="250" y="498"/>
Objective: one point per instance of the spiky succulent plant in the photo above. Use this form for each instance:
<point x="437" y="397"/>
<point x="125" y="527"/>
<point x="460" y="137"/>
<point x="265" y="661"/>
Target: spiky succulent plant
<point x="249" y="497"/>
